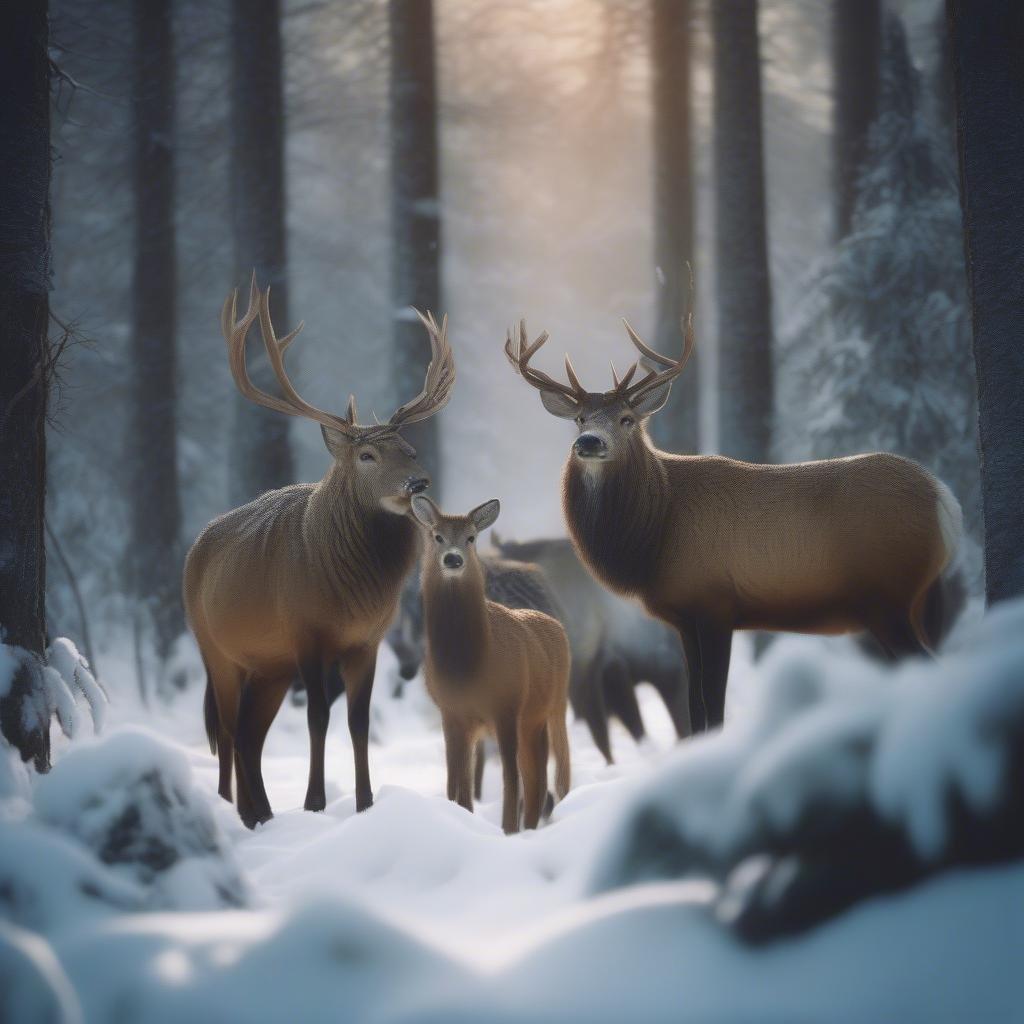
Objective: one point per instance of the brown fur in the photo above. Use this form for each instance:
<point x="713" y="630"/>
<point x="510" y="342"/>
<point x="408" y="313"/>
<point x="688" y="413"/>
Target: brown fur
<point x="710" y="544"/>
<point x="306" y="579"/>
<point x="517" y="688"/>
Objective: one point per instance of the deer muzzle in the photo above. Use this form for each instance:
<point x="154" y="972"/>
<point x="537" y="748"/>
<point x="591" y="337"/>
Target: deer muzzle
<point x="590" y="446"/>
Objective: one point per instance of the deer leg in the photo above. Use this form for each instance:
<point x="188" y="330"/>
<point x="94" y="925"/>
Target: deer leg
<point x="716" y="650"/>
<point x="508" y="749"/>
<point x="458" y="751"/>
<point x="533" y="764"/>
<point x="620" y="698"/>
<point x="225" y="758"/>
<point x="257" y="707"/>
<point x="318" y="717"/>
<point x="587" y="697"/>
<point x="358" y="668"/>
<point x="694" y="667"/>
<point x="478" y="769"/>
<point x="673" y="689"/>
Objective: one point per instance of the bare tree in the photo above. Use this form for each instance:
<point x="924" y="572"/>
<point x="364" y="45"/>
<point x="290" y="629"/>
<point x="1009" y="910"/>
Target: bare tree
<point x="856" y="53"/>
<point x="415" y="203"/>
<point x="24" y="354"/>
<point x="986" y="42"/>
<point x="744" y="284"/>
<point x="261" y="453"/>
<point x="673" y="206"/>
<point x="155" y="503"/>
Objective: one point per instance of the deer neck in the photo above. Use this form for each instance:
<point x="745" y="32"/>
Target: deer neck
<point x="616" y="515"/>
<point x="361" y="552"/>
<point x="455" y="616"/>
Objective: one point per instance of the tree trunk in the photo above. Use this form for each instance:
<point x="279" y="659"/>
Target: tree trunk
<point x="856" y="52"/>
<point x="677" y="428"/>
<point x="987" y="43"/>
<point x="415" y="209"/>
<point x="156" y="508"/>
<point x="744" y="285"/>
<point x="24" y="319"/>
<point x="262" y="456"/>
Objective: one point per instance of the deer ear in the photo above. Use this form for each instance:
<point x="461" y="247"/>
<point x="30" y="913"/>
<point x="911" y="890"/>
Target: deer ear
<point x="559" y="405"/>
<point x="650" y="403"/>
<point x="486" y="514"/>
<point x="337" y="442"/>
<point x="424" y="510"/>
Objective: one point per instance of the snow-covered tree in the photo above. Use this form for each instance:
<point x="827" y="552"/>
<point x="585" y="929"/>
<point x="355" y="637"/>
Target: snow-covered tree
<point x="877" y="355"/>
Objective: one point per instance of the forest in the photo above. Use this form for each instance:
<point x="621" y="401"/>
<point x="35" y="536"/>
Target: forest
<point x="354" y="684"/>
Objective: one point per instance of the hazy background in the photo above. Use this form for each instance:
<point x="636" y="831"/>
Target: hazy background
<point x="546" y="212"/>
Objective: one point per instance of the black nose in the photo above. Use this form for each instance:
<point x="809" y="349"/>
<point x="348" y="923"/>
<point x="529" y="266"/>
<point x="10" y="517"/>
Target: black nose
<point x="590" y="446"/>
<point x="417" y="484"/>
<point x="452" y="560"/>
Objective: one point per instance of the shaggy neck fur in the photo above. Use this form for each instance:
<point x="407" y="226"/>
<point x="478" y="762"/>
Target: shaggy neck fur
<point x="368" y="552"/>
<point x="456" y="620"/>
<point x="616" y="514"/>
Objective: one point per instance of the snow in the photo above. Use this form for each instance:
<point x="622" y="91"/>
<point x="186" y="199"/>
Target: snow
<point x="416" y="910"/>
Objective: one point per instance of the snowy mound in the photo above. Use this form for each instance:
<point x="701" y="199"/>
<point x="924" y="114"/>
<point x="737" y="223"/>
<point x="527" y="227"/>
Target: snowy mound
<point x="847" y="779"/>
<point x="131" y="800"/>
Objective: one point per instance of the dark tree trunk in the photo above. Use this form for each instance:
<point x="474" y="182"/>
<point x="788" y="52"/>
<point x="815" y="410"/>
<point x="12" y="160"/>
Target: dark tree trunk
<point x="415" y="209"/>
<point x="262" y="456"/>
<point x="156" y="507"/>
<point x="856" y="52"/>
<point x="24" y="318"/>
<point x="987" y="43"/>
<point x="744" y="285"/>
<point x="677" y="428"/>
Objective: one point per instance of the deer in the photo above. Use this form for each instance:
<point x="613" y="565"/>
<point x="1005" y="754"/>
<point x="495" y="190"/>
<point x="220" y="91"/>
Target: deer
<point x="491" y="669"/>
<point x="306" y="579"/>
<point x="615" y="645"/>
<point x="711" y="545"/>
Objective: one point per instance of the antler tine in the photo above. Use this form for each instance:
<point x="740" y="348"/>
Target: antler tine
<point x="438" y="380"/>
<point x="520" y="361"/>
<point x="651" y="360"/>
<point x="235" y="333"/>
<point x="298" y="406"/>
<point x="573" y="379"/>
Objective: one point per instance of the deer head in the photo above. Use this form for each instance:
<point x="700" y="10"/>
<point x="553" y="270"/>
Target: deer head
<point x="453" y="538"/>
<point x="610" y="422"/>
<point x="380" y="463"/>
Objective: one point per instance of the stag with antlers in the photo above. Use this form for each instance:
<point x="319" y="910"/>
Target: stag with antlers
<point x="306" y="579"/>
<point x="710" y="544"/>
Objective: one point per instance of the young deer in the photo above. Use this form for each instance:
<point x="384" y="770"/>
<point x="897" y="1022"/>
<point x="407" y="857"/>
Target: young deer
<point x="709" y="544"/>
<point x="305" y="579"/>
<point x="491" y="668"/>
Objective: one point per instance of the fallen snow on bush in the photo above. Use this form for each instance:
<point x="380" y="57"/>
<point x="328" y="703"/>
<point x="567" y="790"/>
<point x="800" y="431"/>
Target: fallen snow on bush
<point x="847" y="778"/>
<point x="131" y="800"/>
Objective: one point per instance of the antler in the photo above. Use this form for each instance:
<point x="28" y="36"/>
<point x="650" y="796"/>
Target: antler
<point x="437" y="387"/>
<point x="651" y="360"/>
<point x="519" y="356"/>
<point x="235" y="334"/>
<point x="439" y="380"/>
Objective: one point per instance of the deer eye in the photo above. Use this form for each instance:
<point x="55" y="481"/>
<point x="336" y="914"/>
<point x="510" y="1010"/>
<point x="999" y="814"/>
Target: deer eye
<point x="438" y="538"/>
<point x="580" y="419"/>
<point x="469" y="540"/>
<point x="366" y="457"/>
<point x="627" y="421"/>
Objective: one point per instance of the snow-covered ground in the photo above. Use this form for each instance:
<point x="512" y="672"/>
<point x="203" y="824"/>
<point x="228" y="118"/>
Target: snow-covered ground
<point x="416" y="910"/>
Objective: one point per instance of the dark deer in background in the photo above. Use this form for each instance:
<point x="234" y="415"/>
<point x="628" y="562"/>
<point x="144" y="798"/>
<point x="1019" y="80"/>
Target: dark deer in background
<point x="306" y="578"/>
<point x="491" y="669"/>
<point x="709" y="544"/>
<point x="615" y="645"/>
